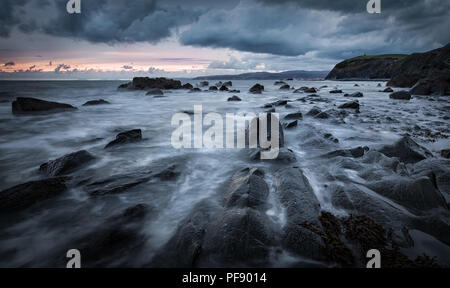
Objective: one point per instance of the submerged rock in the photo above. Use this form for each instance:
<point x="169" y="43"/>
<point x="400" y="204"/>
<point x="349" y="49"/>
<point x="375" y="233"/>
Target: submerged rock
<point x="336" y="91"/>
<point x="234" y="98"/>
<point x="406" y="150"/>
<point x="67" y="163"/>
<point x="355" y="95"/>
<point x="126" y="137"/>
<point x="27" y="194"/>
<point x="204" y="84"/>
<point x="354" y="153"/>
<point x="293" y="116"/>
<point x="154" y="91"/>
<point x="96" y="102"/>
<point x="30" y="105"/>
<point x="285" y="87"/>
<point x="400" y="95"/>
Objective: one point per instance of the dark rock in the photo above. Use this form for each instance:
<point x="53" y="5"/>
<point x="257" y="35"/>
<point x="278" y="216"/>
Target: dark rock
<point x="218" y="84"/>
<point x="126" y="137"/>
<point x="302" y="212"/>
<point x="234" y="98"/>
<point x="353" y="153"/>
<point x="417" y="194"/>
<point x="314" y="111"/>
<point x="247" y="188"/>
<point x="336" y="91"/>
<point x="239" y="237"/>
<point x="145" y="83"/>
<point x="117" y="183"/>
<point x="293" y="116"/>
<point x="350" y="105"/>
<point x="430" y="66"/>
<point x="322" y="115"/>
<point x="279" y="103"/>
<point x="228" y="84"/>
<point x="359" y="68"/>
<point x="213" y="88"/>
<point x="406" y="150"/>
<point x="109" y="243"/>
<point x="291" y="124"/>
<point x="257" y="89"/>
<point x="388" y="90"/>
<point x="355" y="95"/>
<point x="436" y="84"/>
<point x="187" y="86"/>
<point x="27" y="194"/>
<point x="204" y="84"/>
<point x="67" y="163"/>
<point x="356" y="85"/>
<point x="170" y="173"/>
<point x="285" y="87"/>
<point x="223" y="88"/>
<point x="279" y="83"/>
<point x="400" y="95"/>
<point x="184" y="247"/>
<point x="195" y="90"/>
<point x="30" y="105"/>
<point x="311" y="90"/>
<point x="234" y="91"/>
<point x="96" y="102"/>
<point x="445" y="153"/>
<point x="154" y="91"/>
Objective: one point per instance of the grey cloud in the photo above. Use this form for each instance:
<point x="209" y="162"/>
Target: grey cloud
<point x="61" y="67"/>
<point x="127" y="67"/>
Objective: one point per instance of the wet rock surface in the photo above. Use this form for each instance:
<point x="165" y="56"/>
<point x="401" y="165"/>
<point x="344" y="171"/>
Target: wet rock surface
<point x="24" y="105"/>
<point x="67" y="163"/>
<point x="126" y="137"/>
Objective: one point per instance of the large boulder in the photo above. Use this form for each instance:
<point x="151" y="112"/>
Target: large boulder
<point x="234" y="98"/>
<point x="406" y="150"/>
<point x="418" y="194"/>
<point x="126" y="137"/>
<point x="302" y="213"/>
<point x="257" y="89"/>
<point x="400" y="95"/>
<point x="438" y="83"/>
<point x="67" y="163"/>
<point x="247" y="188"/>
<point x="29" y="105"/>
<point x="27" y="194"/>
<point x="145" y="83"/>
<point x="350" y="105"/>
<point x="239" y="237"/>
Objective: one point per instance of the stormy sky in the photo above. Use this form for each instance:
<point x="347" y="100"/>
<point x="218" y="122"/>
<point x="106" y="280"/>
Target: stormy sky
<point x="117" y="39"/>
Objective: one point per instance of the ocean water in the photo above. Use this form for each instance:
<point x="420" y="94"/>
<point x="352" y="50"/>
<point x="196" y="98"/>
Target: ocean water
<point x="34" y="237"/>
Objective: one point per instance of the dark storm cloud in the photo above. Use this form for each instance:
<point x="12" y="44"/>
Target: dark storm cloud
<point x="7" y="16"/>
<point x="327" y="28"/>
